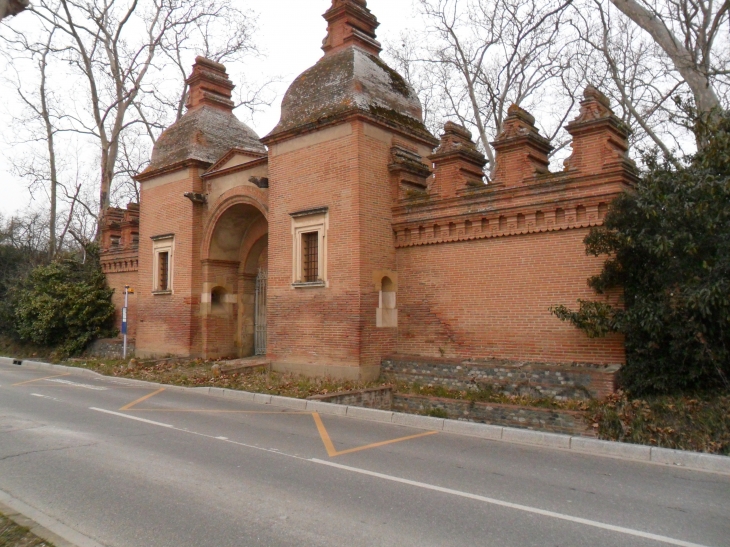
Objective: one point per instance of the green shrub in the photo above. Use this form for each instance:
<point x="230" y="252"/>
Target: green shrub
<point x="669" y="251"/>
<point x="65" y="304"/>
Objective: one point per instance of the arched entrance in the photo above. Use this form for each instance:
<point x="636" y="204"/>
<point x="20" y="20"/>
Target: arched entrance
<point x="237" y="251"/>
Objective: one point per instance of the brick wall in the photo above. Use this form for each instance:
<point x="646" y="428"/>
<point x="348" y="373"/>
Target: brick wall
<point x="490" y="298"/>
<point x="315" y="326"/>
<point x="169" y="323"/>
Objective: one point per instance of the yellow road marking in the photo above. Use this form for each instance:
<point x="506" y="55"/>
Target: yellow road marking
<point x="332" y="451"/>
<point x="39" y="379"/>
<point x="149" y="395"/>
<point x="383" y="443"/>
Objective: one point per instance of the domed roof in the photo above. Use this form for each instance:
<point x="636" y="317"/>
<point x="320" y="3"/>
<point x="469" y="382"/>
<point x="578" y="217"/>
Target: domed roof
<point x="204" y="134"/>
<point x="209" y="128"/>
<point x="347" y="81"/>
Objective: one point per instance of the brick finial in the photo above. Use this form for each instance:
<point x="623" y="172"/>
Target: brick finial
<point x="350" y="22"/>
<point x="458" y="164"/>
<point x="600" y="139"/>
<point x="209" y="85"/>
<point x="521" y="152"/>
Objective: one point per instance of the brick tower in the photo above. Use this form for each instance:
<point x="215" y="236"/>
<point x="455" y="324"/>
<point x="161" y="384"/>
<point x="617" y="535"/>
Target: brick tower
<point x="171" y="226"/>
<point x="350" y="127"/>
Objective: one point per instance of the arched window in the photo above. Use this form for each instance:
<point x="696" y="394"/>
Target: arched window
<point x="387" y="313"/>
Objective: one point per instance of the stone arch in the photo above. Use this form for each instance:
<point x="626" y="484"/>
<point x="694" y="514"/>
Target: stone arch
<point x="234" y="242"/>
<point x="227" y="203"/>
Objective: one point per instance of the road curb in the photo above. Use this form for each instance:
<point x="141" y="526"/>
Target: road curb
<point x="44" y="526"/>
<point x="697" y="461"/>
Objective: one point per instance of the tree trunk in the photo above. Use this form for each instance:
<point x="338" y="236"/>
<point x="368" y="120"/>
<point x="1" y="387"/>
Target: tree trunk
<point x="706" y="100"/>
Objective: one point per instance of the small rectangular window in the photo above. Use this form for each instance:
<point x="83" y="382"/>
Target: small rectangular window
<point x="310" y="256"/>
<point x="309" y="249"/>
<point x="163" y="255"/>
<point x="163" y="260"/>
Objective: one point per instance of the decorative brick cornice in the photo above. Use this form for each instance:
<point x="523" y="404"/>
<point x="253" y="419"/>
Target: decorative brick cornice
<point x="374" y="117"/>
<point x="557" y="203"/>
<point x="179" y="166"/>
<point x="121" y="261"/>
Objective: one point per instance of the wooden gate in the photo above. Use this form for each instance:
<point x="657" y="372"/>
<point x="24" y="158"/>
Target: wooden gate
<point x="260" y="317"/>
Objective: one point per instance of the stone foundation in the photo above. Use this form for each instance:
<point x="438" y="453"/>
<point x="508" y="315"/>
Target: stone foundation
<point x="109" y="348"/>
<point x="541" y="419"/>
<point x="380" y="398"/>
<point x="556" y="381"/>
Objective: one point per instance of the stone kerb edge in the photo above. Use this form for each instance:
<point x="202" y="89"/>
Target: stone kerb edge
<point x="626" y="451"/>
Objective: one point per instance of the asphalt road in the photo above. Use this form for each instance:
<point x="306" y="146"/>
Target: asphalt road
<point x="127" y="466"/>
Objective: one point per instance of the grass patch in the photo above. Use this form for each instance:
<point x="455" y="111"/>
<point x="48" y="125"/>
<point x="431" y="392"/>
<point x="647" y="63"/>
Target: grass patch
<point x="700" y="424"/>
<point x="22" y="350"/>
<point x="12" y="535"/>
<point x="198" y="373"/>
<point x="437" y="413"/>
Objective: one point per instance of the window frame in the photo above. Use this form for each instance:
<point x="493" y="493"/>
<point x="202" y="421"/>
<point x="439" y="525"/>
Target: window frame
<point x="307" y="222"/>
<point x="163" y="244"/>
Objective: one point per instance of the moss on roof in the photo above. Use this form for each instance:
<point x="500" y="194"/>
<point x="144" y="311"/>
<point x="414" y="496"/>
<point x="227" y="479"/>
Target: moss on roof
<point x="203" y="134"/>
<point x="350" y="80"/>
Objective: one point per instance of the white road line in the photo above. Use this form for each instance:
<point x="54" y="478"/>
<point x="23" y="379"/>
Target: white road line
<point x="87" y="386"/>
<point x="492" y="501"/>
<point x="525" y="508"/>
<point x="132" y="417"/>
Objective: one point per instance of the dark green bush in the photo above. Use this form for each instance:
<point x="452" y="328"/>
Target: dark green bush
<point x="669" y="251"/>
<point x="65" y="304"/>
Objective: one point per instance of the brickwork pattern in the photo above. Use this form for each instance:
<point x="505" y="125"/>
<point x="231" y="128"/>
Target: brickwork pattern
<point x="490" y="299"/>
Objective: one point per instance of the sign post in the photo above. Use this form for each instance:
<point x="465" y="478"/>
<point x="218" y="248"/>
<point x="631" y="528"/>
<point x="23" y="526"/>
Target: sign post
<point x="127" y="291"/>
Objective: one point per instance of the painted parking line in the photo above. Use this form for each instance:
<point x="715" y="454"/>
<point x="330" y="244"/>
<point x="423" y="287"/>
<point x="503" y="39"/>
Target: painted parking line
<point x="142" y="399"/>
<point x="75" y="384"/>
<point x="333" y="452"/>
<point x="39" y="379"/>
<point x="450" y="491"/>
<point x="329" y="446"/>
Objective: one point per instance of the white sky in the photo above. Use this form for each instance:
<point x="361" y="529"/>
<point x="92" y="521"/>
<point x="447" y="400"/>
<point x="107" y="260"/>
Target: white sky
<point x="291" y="33"/>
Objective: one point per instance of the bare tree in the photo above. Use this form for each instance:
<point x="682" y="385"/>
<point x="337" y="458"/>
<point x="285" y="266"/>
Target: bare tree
<point x="115" y="46"/>
<point x="693" y="34"/>
<point x="483" y="55"/>
<point x="39" y="169"/>
<point x="12" y="7"/>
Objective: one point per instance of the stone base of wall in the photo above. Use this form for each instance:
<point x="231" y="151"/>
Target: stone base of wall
<point x="109" y="348"/>
<point x="559" y="381"/>
<point x="541" y="419"/>
<point x="379" y="397"/>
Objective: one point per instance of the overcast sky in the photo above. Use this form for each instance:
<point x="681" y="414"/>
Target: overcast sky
<point x="291" y="33"/>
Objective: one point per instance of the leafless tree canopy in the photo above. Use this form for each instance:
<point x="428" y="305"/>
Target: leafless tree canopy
<point x="663" y="63"/>
<point x="12" y="7"/>
<point x="100" y="79"/>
